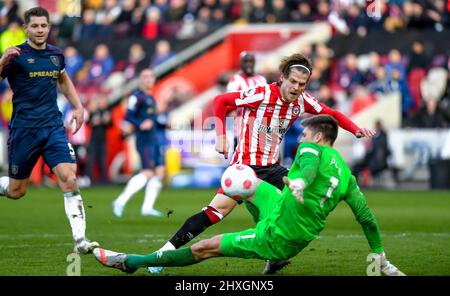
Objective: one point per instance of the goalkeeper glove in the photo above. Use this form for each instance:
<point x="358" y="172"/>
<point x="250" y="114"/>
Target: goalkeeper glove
<point x="296" y="186"/>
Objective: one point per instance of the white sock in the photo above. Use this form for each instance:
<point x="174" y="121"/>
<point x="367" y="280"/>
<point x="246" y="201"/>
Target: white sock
<point x="135" y="184"/>
<point x="167" y="246"/>
<point x="4" y="184"/>
<point x="73" y="204"/>
<point x="151" y="193"/>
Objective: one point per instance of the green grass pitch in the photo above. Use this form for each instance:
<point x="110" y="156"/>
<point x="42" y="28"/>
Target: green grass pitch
<point x="35" y="237"/>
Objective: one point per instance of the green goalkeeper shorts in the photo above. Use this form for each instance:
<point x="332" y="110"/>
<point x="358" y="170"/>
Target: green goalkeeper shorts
<point x="265" y="200"/>
<point x="261" y="242"/>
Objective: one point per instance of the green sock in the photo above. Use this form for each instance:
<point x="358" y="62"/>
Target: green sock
<point x="180" y="257"/>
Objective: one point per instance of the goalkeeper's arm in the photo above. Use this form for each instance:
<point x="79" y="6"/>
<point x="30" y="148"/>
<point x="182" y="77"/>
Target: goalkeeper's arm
<point x="355" y="199"/>
<point x="309" y="163"/>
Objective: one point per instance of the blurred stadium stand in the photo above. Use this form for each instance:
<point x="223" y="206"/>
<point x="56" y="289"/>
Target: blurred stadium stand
<point x="379" y="60"/>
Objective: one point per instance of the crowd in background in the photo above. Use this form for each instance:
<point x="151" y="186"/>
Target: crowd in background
<point x="182" y="18"/>
<point x="348" y="83"/>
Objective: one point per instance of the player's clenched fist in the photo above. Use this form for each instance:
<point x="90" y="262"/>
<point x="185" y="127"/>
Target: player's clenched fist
<point x="222" y="145"/>
<point x="8" y="54"/>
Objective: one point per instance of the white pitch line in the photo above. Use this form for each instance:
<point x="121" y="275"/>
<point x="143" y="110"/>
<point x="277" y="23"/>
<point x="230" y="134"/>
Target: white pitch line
<point x="112" y="243"/>
<point x="403" y="234"/>
<point x="49" y="235"/>
<point x="157" y="238"/>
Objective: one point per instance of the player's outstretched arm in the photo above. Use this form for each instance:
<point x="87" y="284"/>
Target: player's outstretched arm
<point x="357" y="202"/>
<point x="68" y="89"/>
<point x="347" y="124"/>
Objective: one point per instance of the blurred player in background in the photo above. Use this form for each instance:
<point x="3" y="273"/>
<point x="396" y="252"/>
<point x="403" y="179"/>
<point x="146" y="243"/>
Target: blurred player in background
<point x="141" y="114"/>
<point x="269" y="110"/>
<point x="33" y="70"/>
<point x="288" y="220"/>
<point x="242" y="80"/>
<point x="246" y="77"/>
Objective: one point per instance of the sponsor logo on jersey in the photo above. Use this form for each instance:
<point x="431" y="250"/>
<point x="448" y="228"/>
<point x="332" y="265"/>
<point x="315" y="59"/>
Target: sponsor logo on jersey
<point x="30" y="61"/>
<point x="249" y="92"/>
<point x="272" y="130"/>
<point x="53" y="74"/>
<point x="14" y="169"/>
<point x="55" y="60"/>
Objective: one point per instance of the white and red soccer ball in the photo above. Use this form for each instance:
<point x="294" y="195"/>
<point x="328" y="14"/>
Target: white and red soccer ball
<point x="239" y="181"/>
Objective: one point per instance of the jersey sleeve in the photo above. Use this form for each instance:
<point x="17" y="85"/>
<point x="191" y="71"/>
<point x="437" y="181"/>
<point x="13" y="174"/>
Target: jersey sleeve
<point x="313" y="106"/>
<point x="251" y="97"/>
<point x="224" y="103"/>
<point x="357" y="202"/>
<point x="131" y="114"/>
<point x="63" y="63"/>
<point x="308" y="160"/>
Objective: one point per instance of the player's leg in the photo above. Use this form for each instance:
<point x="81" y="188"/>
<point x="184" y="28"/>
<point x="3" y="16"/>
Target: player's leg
<point x="219" y="208"/>
<point x="273" y="175"/>
<point x="182" y="257"/>
<point x="155" y="185"/>
<point x="60" y="157"/>
<point x="152" y="189"/>
<point x="24" y="150"/>
<point x="137" y="182"/>
<point x="186" y="256"/>
<point x="13" y="188"/>
<point x="73" y="205"/>
<point x="134" y="185"/>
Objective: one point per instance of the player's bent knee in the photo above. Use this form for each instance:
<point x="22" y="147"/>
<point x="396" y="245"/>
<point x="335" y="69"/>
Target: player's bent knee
<point x="223" y="204"/>
<point x="69" y="181"/>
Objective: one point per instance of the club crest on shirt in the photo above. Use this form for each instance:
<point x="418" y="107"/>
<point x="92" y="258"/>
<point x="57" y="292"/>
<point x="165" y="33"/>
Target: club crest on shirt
<point x="296" y="110"/>
<point x="55" y="60"/>
<point x="14" y="169"/>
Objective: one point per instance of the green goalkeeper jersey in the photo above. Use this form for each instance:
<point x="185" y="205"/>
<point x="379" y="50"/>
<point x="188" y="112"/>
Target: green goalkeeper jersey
<point x="328" y="181"/>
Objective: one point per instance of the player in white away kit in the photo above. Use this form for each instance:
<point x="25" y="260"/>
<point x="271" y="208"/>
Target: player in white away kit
<point x="245" y="78"/>
<point x="269" y="111"/>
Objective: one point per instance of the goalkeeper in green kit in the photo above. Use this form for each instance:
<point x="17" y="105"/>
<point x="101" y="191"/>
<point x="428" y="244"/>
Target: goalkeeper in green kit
<point x="288" y="220"/>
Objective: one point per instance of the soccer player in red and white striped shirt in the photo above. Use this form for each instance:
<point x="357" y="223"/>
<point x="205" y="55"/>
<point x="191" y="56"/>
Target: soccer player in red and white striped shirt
<point x="269" y="111"/>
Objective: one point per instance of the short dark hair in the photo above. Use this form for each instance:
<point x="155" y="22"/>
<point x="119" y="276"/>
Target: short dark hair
<point x="35" y="11"/>
<point x="246" y="54"/>
<point x="295" y="59"/>
<point x="325" y="124"/>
